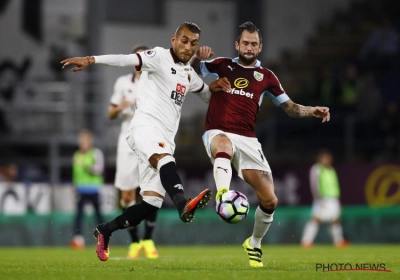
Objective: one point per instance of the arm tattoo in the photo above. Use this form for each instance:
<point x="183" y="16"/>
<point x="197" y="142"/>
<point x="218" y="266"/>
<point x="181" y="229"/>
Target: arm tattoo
<point x="296" y="110"/>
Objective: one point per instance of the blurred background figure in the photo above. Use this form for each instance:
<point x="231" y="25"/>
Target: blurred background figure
<point x="325" y="189"/>
<point x="327" y="87"/>
<point x="389" y="125"/>
<point x="88" y="165"/>
<point x="381" y="50"/>
<point x="350" y="86"/>
<point x="8" y="172"/>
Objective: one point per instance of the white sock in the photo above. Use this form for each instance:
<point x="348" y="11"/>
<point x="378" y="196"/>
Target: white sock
<point x="337" y="233"/>
<point x="310" y="231"/>
<point x="262" y="221"/>
<point x="222" y="173"/>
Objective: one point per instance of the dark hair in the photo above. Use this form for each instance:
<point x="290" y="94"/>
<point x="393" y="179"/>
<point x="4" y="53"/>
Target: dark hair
<point x="85" y="131"/>
<point x="189" y="25"/>
<point x="140" y="47"/>
<point x="250" y="27"/>
<point x="323" y="151"/>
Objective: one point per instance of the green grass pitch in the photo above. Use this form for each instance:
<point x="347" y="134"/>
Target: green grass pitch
<point x="197" y="263"/>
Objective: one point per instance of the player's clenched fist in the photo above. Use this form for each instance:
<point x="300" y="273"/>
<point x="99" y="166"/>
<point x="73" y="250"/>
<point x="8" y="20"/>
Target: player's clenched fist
<point x="322" y="113"/>
<point x="204" y="53"/>
<point x="80" y="62"/>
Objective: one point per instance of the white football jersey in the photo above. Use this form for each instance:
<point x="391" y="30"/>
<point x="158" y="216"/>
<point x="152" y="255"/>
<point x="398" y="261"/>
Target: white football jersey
<point x="125" y="88"/>
<point x="162" y="91"/>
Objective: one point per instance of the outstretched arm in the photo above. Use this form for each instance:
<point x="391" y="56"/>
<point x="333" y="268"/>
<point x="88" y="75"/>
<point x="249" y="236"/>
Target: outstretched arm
<point x="295" y="110"/>
<point x="202" y="53"/>
<point x="118" y="60"/>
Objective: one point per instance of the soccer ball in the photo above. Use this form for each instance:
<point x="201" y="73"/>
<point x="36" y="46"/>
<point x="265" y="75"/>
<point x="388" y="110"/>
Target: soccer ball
<point x="232" y="207"/>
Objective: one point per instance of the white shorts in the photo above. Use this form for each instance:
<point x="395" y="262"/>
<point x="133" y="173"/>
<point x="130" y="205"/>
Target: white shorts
<point x="127" y="165"/>
<point x="146" y="141"/>
<point x="326" y="209"/>
<point x="247" y="151"/>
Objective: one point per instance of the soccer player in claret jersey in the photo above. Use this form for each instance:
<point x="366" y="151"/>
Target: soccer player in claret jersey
<point x="154" y="125"/>
<point x="230" y="122"/>
<point x="123" y="103"/>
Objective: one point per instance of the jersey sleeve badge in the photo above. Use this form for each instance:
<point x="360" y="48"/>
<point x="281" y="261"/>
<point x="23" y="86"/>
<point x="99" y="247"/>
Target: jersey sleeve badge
<point x="150" y="53"/>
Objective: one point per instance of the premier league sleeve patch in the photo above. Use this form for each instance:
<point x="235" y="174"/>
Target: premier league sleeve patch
<point x="150" y="53"/>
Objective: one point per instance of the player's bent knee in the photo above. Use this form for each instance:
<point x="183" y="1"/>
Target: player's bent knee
<point x="224" y="146"/>
<point x="153" y="200"/>
<point x="269" y="204"/>
<point x="221" y="143"/>
<point x="164" y="161"/>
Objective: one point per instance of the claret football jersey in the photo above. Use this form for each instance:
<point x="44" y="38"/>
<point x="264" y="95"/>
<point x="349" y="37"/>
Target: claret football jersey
<point x="236" y="111"/>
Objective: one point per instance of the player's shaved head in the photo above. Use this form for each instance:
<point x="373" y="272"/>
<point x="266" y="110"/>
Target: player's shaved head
<point x="192" y="27"/>
<point x="185" y="41"/>
<point x="249" y="27"/>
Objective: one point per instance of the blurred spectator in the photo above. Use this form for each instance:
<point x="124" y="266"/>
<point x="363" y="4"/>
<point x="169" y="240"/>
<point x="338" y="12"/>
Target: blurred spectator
<point x="369" y="106"/>
<point x="11" y="75"/>
<point x="389" y="124"/>
<point x="381" y="50"/>
<point x="57" y="53"/>
<point x="350" y="85"/>
<point x="9" y="173"/>
<point x="88" y="166"/>
<point x="369" y="100"/>
<point x="326" y="87"/>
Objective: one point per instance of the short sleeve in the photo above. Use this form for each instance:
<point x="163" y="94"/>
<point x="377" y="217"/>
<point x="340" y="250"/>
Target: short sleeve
<point x="275" y="91"/>
<point x="149" y="60"/>
<point x="117" y="96"/>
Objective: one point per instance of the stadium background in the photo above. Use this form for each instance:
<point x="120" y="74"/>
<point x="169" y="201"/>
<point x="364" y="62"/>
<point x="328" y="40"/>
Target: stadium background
<point x="42" y="108"/>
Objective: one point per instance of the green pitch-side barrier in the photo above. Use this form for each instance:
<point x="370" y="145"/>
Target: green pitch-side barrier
<point x="361" y="224"/>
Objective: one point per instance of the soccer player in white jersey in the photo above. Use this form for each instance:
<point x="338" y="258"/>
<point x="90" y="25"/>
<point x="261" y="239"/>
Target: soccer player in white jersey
<point x="123" y="103"/>
<point x="230" y="122"/>
<point x="154" y="125"/>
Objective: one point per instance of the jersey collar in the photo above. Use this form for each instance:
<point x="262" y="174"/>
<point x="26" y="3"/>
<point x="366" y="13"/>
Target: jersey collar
<point x="175" y="57"/>
<point x="236" y="60"/>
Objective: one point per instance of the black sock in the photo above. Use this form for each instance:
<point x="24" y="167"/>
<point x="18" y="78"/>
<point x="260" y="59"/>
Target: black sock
<point x="149" y="226"/>
<point x="132" y="216"/>
<point x="133" y="233"/>
<point x="172" y="184"/>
